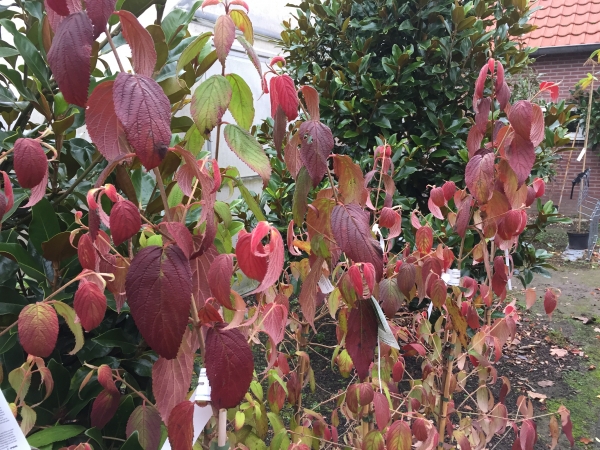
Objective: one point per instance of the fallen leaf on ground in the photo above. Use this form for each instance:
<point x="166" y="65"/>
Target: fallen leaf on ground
<point x="592" y="367"/>
<point x="585" y="440"/>
<point x="535" y="395"/>
<point x="597" y="330"/>
<point x="559" y="352"/>
<point x="545" y="383"/>
<point x="585" y="320"/>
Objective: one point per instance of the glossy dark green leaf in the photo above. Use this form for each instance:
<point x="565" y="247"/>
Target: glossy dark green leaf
<point x="44" y="224"/>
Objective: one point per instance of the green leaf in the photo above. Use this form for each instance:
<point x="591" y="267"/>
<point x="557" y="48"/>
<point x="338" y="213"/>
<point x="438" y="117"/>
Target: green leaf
<point x="96" y="435"/>
<point x="27" y="50"/>
<point x="247" y="148"/>
<point x="193" y="50"/>
<point x="132" y="442"/>
<point x="69" y="315"/>
<point x="44" y="224"/>
<point x="250" y="201"/>
<point x="194" y="140"/>
<point x="242" y="102"/>
<point x="209" y="103"/>
<point x="223" y="211"/>
<point x="7" y="342"/>
<point x="115" y="338"/>
<point x="54" y="434"/>
<point x="6" y="52"/>
<point x="15" y="78"/>
<point x="27" y="263"/>
<point x="12" y="302"/>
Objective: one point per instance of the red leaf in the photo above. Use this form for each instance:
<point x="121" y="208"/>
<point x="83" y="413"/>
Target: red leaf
<point x="474" y="139"/>
<point x="181" y="425"/>
<point x="219" y="279"/>
<point x="125" y="221"/>
<point x="103" y="126"/>
<point x="145" y="112"/>
<point x="362" y="336"/>
<point x="224" y="37"/>
<point x="567" y="426"/>
<point x="480" y="85"/>
<point x="407" y="276"/>
<point x="104" y="408"/>
<point x="182" y="236"/>
<point x="311" y="98"/>
<point x="539" y="187"/>
<point x="146" y="421"/>
<point x="399" y="436"/>
<point x="420" y="429"/>
<point x="350" y="227"/>
<point x="424" y="239"/>
<point x="30" y="162"/>
<point x="316" y="143"/>
<point x="273" y="252"/>
<point x="171" y="378"/>
<point x="274" y="320"/>
<point x="550" y="87"/>
<point x="200" y="268"/>
<point x="229" y="366"/>
<point x="520" y="154"/>
<point x="38" y="192"/>
<point x="60" y="7"/>
<point x="159" y="291"/>
<point x="438" y="197"/>
<point x="520" y="117"/>
<point x="8" y="198"/>
<point x="105" y="378"/>
<point x="283" y="93"/>
<point x="390" y="296"/>
<point x="527" y="435"/>
<point x="398" y="370"/>
<point x="38" y="329"/>
<point x="479" y="176"/>
<point x="449" y="189"/>
<point x="99" y="12"/>
<point x="550" y="301"/>
<point x="382" y="410"/>
<point x="89" y="304"/>
<point x="143" y="52"/>
<point x="252" y="266"/>
<point x="69" y="57"/>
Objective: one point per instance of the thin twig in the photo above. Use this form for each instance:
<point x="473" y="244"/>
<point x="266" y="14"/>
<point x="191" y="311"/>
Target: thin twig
<point x="163" y="193"/>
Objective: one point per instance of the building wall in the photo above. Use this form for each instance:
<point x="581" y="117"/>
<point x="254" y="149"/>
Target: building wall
<point x="566" y="69"/>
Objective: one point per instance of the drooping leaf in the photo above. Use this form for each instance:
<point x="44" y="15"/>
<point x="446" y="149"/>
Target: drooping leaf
<point x="145" y="419"/>
<point x="390" y="295"/>
<point x="28" y="416"/>
<point x="520" y="153"/>
<point x="251" y="55"/>
<point x="104" y="408"/>
<point x="229" y="366"/>
<point x="89" y="304"/>
<point x="479" y="176"/>
<point x="143" y="52"/>
<point x="252" y="266"/>
<point x="351" y="180"/>
<point x="406" y="278"/>
<point x="171" y="378"/>
<point x="567" y="425"/>
<point x="209" y="103"/>
<point x="300" y="197"/>
<point x="373" y="441"/>
<point x="53" y="434"/>
<point x="350" y="226"/>
<point x="309" y="290"/>
<point x="192" y="51"/>
<point x="104" y="128"/>
<point x="181" y="427"/>
<point x="159" y="291"/>
<point x="382" y="410"/>
<point x="99" y="12"/>
<point x="311" y="98"/>
<point x="38" y="329"/>
<point x="145" y="112"/>
<point x="68" y="314"/>
<point x="283" y="93"/>
<point x="424" y="239"/>
<point x="30" y="162"/>
<point x="59" y="6"/>
<point x="550" y="301"/>
<point x="274" y="319"/>
<point x="243" y="23"/>
<point x="316" y="143"/>
<point x="69" y="57"/>
<point x="247" y="148"/>
<point x="362" y="336"/>
<point x="219" y="279"/>
<point x="182" y="236"/>
<point x="399" y="436"/>
<point x="242" y="103"/>
<point x="125" y="221"/>
<point x="224" y="36"/>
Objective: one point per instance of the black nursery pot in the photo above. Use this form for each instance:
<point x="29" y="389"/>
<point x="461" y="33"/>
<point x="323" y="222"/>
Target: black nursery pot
<point x="578" y="241"/>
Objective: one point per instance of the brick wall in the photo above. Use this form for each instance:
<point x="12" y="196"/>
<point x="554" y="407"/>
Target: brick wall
<point x="568" y="69"/>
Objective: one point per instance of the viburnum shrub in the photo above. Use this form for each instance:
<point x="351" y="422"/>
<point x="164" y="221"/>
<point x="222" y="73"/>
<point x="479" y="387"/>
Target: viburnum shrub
<point x="124" y="291"/>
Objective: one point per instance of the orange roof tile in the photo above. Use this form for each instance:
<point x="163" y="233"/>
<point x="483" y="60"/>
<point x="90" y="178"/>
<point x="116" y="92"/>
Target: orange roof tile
<point x="565" y="22"/>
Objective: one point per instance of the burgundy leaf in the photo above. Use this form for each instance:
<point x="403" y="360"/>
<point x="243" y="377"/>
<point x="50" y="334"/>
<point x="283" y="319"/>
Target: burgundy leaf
<point x="54" y="18"/>
<point x="99" y="12"/>
<point x="463" y="216"/>
<point x="125" y="221"/>
<point x="103" y="126"/>
<point x="8" y="198"/>
<point x="229" y="366"/>
<point x="274" y="320"/>
<point x="200" y="268"/>
<point x="273" y="252"/>
<point x="398" y="370"/>
<point x="407" y="276"/>
<point x="390" y="295"/>
<point x="182" y="236"/>
<point x="224" y="36"/>
<point x="38" y="329"/>
<point x="145" y="112"/>
<point x="69" y="57"/>
<point x="362" y="336"/>
<point x="382" y="410"/>
<point x="159" y="291"/>
<point x="143" y="52"/>
<point x="89" y="304"/>
<point x="59" y="7"/>
<point x="146" y="421"/>
<point x="550" y="301"/>
<point x="474" y="139"/>
<point x="479" y="176"/>
<point x="219" y="279"/>
<point x="316" y="145"/>
<point x="567" y="425"/>
<point x="350" y="226"/>
<point x="104" y="408"/>
<point x="309" y="291"/>
<point x="520" y="154"/>
<point x="30" y="162"/>
<point x="283" y="93"/>
<point x="520" y="117"/>
<point x="38" y="192"/>
<point x="171" y="378"/>
<point x="180" y="427"/>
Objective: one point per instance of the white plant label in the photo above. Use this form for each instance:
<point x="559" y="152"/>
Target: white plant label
<point x="581" y="153"/>
<point x="11" y="436"/>
<point x="384" y="332"/>
<point x="325" y="285"/>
